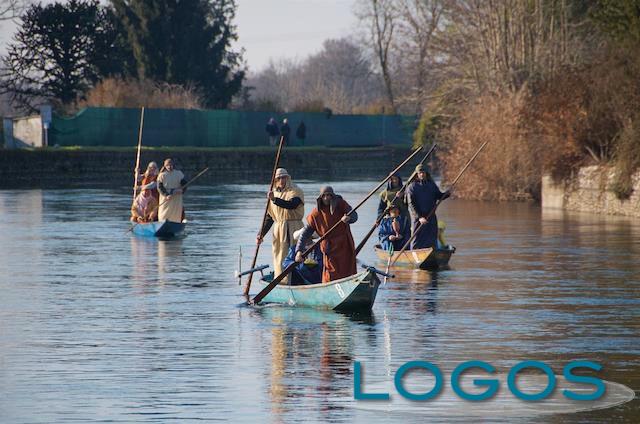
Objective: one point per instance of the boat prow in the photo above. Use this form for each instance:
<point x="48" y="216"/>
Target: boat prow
<point x="161" y="229"/>
<point x="354" y="293"/>
<point x="427" y="259"/>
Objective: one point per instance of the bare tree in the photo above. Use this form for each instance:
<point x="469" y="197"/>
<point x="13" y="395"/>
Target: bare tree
<point x="381" y="17"/>
<point x="340" y="77"/>
<point x="12" y="9"/>
<point x="419" y="23"/>
<point x="504" y="44"/>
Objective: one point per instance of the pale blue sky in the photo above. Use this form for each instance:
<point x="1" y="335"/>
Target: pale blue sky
<point x="290" y="28"/>
<point x="276" y="28"/>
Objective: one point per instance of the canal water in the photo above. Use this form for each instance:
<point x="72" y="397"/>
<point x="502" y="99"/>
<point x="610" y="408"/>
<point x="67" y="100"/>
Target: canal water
<point x="99" y="325"/>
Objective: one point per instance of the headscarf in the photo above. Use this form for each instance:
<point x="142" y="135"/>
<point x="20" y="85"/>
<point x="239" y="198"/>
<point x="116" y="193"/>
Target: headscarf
<point x="146" y="172"/>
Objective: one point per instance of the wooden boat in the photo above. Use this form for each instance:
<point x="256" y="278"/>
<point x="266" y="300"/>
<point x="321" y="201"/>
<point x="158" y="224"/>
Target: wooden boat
<point x="354" y="293"/>
<point x="419" y="258"/>
<point x="162" y="229"/>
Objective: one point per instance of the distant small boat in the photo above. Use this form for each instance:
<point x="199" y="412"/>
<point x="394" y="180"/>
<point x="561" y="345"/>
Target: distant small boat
<point x="162" y="229"/>
<point x="354" y="293"/>
<point x="419" y="258"/>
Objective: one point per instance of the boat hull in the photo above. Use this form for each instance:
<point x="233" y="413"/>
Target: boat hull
<point x="420" y="258"/>
<point x="354" y="293"/>
<point x="162" y="229"/>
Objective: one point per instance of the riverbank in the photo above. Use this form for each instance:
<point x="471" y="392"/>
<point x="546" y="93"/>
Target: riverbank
<point x="591" y="190"/>
<point x="102" y="167"/>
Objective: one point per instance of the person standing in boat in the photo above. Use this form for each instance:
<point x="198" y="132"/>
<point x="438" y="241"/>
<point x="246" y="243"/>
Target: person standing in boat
<point x="422" y="195"/>
<point x="395" y="230"/>
<point x="170" y="183"/>
<point x="284" y="213"/>
<point x="338" y="249"/>
<point x="390" y="196"/>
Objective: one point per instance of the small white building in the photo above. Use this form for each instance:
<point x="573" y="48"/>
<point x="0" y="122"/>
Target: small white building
<point x="27" y="131"/>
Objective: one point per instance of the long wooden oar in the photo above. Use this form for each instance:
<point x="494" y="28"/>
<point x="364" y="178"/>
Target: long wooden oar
<point x="182" y="187"/>
<point x="433" y="210"/>
<point x="398" y="194"/>
<point x="264" y="216"/>
<point x="137" y="170"/>
<point x="292" y="265"/>
<point x="384" y="283"/>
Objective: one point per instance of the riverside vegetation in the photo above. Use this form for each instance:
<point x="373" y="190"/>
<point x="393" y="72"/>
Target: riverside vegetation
<point x="555" y="85"/>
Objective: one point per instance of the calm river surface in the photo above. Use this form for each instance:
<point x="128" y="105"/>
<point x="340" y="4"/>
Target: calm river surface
<point x="98" y="325"/>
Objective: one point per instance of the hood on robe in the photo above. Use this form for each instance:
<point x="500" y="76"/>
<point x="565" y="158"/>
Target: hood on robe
<point x="421" y="167"/>
<point x="334" y="199"/>
<point x="389" y="187"/>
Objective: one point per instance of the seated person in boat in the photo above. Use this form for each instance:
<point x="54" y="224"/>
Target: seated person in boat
<point x="148" y="180"/>
<point x="144" y="207"/>
<point x="422" y="195"/>
<point x="391" y="195"/>
<point x="394" y="230"/>
<point x="170" y="183"/>
<point x="441" y="242"/>
<point x="309" y="271"/>
<point x="338" y="249"/>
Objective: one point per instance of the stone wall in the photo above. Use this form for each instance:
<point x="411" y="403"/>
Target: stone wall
<point x="590" y="191"/>
<point x="57" y="168"/>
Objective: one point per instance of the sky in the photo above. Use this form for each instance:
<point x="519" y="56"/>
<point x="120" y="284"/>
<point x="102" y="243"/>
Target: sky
<point x="275" y="29"/>
<point x="290" y="28"/>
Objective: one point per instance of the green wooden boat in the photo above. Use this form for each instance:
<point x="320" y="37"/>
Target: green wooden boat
<point x="354" y="293"/>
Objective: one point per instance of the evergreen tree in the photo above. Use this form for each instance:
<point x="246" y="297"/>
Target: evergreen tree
<point x="186" y="42"/>
<point x="60" y="51"/>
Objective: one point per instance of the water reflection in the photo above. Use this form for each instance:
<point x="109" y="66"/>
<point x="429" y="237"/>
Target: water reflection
<point x="144" y="257"/>
<point x="150" y="330"/>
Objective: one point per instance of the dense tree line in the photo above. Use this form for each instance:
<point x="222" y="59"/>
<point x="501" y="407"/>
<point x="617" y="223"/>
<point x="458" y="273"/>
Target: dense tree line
<point x="554" y="84"/>
<point x="62" y="50"/>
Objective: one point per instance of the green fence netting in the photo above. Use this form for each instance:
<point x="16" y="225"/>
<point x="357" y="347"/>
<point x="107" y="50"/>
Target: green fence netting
<point x="223" y="128"/>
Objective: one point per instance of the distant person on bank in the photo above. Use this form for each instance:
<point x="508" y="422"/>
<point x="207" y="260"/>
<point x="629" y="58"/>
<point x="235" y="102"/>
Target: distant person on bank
<point x="395" y="230"/>
<point x="272" y="131"/>
<point x="338" y="249"/>
<point x="301" y="133"/>
<point x="170" y="182"/>
<point x="285" y="130"/>
<point x="284" y="213"/>
<point x="422" y="195"/>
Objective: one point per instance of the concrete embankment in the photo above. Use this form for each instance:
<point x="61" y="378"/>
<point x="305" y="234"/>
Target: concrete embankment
<point x="63" y="168"/>
<point x="590" y="191"/>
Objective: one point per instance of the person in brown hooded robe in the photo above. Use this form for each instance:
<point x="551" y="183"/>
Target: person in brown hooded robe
<point x="338" y="249"/>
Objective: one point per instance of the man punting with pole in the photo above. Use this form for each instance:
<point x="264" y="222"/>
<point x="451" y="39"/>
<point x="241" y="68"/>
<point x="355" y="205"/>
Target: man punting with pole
<point x="416" y="232"/>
